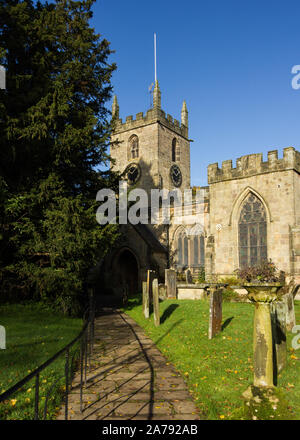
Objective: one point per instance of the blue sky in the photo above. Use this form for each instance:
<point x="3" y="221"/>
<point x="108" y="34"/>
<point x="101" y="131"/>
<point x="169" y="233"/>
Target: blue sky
<point x="230" y="60"/>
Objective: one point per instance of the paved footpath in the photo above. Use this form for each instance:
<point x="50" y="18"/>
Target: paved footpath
<point x="129" y="378"/>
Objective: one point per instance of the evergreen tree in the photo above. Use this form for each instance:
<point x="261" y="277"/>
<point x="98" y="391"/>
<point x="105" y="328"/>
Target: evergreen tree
<point x="54" y="133"/>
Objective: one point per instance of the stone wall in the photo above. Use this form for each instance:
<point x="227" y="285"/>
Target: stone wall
<point x="252" y="164"/>
<point x="276" y="184"/>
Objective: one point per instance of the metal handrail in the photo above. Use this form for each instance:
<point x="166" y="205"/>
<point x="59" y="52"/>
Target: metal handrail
<point x="86" y="336"/>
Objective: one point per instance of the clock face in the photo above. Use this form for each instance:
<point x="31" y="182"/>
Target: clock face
<point x="176" y="175"/>
<point x="133" y="173"/>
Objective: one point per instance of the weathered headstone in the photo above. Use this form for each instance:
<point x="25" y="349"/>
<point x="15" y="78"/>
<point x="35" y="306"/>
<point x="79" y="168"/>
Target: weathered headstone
<point x="215" y="312"/>
<point x="162" y="292"/>
<point x="150" y="278"/>
<point x="155" y="303"/>
<point x="278" y="318"/>
<point x="170" y="281"/>
<point x="145" y="300"/>
<point x="290" y="311"/>
<point x="188" y="276"/>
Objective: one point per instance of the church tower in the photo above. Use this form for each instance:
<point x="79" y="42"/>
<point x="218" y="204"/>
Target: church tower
<point x="154" y="148"/>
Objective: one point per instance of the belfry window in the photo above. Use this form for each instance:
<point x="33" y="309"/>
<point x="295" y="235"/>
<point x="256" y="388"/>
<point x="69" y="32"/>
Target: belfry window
<point x="134" y="147"/>
<point x="252" y="232"/>
<point x="175" y="151"/>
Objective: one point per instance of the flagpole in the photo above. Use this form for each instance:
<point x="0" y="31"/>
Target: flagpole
<point x="155" y="77"/>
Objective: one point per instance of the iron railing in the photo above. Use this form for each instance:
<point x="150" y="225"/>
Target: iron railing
<point x="86" y="339"/>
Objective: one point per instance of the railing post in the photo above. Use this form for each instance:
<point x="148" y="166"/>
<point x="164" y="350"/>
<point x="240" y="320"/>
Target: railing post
<point x="93" y="319"/>
<point x="67" y="384"/>
<point x="81" y="370"/>
<point x="37" y="392"/>
<point x="85" y="354"/>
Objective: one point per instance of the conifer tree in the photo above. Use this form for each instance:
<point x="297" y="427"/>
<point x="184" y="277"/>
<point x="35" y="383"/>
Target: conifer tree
<point x="54" y="133"/>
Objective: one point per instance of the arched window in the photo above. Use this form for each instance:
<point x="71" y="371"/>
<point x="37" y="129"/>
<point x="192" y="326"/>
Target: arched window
<point x="252" y="232"/>
<point x="134" y="147"/>
<point x="190" y="250"/>
<point x="175" y="151"/>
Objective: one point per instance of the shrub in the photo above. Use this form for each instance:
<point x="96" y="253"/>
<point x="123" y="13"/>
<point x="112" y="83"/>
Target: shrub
<point x="180" y="276"/>
<point x="230" y="281"/>
<point x="201" y="276"/>
<point x="264" y="272"/>
<point x="229" y="294"/>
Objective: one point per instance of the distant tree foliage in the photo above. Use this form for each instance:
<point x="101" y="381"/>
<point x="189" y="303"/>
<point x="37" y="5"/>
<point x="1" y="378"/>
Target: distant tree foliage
<point x="54" y="133"/>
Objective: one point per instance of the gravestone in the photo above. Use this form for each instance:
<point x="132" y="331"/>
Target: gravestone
<point x="290" y="311"/>
<point x="155" y="302"/>
<point x="162" y="292"/>
<point x="145" y="300"/>
<point x="188" y="276"/>
<point x="150" y="278"/>
<point x="215" y="312"/>
<point x="278" y="317"/>
<point x="170" y="281"/>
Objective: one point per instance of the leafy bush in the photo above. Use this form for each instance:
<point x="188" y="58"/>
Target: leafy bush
<point x="230" y="281"/>
<point x="201" y="276"/>
<point x="265" y="272"/>
<point x="229" y="294"/>
<point x="180" y="276"/>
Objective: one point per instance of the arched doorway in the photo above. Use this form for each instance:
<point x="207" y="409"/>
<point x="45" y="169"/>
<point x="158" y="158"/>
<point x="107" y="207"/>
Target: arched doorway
<point x="128" y="272"/>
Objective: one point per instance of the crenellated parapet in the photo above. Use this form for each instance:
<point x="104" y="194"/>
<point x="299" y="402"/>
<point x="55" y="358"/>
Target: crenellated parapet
<point x="154" y="115"/>
<point x="252" y="164"/>
<point x="151" y="116"/>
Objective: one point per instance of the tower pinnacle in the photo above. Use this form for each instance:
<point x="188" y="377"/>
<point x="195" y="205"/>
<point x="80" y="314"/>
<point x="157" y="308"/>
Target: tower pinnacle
<point x="156" y="96"/>
<point x="115" y="108"/>
<point x="184" y="115"/>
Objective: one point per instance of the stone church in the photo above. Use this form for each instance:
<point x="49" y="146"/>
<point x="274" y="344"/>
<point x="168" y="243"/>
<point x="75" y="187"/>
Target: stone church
<point x="249" y="212"/>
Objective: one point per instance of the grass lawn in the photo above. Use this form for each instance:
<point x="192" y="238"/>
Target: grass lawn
<point x="218" y="371"/>
<point x="33" y="335"/>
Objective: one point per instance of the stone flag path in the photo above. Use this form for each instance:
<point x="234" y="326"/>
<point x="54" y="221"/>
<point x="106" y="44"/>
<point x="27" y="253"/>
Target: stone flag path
<point x="129" y="378"/>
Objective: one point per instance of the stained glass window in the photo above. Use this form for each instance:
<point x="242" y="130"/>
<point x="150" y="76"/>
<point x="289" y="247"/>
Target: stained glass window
<point x="252" y="232"/>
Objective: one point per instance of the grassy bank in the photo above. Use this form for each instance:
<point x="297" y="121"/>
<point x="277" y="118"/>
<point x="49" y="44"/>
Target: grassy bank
<point x="218" y="371"/>
<point x="33" y="335"/>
